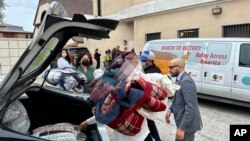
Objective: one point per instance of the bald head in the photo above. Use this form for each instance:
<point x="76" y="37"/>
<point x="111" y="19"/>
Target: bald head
<point x="176" y="66"/>
<point x="177" y="61"/>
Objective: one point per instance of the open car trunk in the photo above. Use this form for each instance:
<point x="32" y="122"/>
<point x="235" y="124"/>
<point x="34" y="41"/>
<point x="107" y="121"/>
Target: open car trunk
<point x="46" y="107"/>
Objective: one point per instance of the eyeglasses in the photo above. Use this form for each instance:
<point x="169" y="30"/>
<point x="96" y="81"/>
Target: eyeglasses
<point x="171" y="67"/>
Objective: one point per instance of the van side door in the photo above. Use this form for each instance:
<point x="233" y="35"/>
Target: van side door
<point x="241" y="73"/>
<point x="193" y="52"/>
<point x="217" y="68"/>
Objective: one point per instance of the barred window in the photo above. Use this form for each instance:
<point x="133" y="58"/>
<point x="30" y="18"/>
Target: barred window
<point x="239" y="30"/>
<point x="153" y="36"/>
<point x="188" y="33"/>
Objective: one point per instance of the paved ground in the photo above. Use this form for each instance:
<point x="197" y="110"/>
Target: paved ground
<point x="216" y="120"/>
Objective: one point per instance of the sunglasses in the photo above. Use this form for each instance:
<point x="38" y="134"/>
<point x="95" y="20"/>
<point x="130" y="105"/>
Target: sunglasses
<point x="171" y="67"/>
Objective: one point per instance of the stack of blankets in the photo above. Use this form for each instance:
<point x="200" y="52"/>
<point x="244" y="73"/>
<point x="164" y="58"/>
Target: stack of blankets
<point x="66" y="79"/>
<point x="123" y="89"/>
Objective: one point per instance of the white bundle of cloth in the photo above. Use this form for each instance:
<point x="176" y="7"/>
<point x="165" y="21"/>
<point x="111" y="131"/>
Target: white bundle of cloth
<point x="67" y="79"/>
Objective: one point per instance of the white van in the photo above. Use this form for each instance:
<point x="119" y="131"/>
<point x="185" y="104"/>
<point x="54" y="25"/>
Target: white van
<point x="220" y="67"/>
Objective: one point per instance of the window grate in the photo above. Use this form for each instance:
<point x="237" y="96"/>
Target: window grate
<point x="240" y="30"/>
<point x="188" y="33"/>
<point x="153" y="36"/>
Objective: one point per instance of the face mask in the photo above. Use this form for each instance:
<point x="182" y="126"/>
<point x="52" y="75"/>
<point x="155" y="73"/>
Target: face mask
<point x="64" y="54"/>
<point x="85" y="63"/>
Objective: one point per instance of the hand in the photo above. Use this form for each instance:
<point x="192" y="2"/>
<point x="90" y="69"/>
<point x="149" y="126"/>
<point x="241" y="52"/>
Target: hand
<point x="180" y="134"/>
<point x="93" y="110"/>
<point x="167" y="117"/>
<point x="83" y="125"/>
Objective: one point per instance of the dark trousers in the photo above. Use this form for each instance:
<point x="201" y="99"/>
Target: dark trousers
<point x="187" y="137"/>
<point x="153" y="130"/>
<point x="97" y="64"/>
<point x="148" y="138"/>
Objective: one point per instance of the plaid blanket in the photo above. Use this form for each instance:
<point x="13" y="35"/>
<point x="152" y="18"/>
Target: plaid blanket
<point x="118" y="109"/>
<point x="101" y="87"/>
<point x="117" y="106"/>
<point x="131" y="126"/>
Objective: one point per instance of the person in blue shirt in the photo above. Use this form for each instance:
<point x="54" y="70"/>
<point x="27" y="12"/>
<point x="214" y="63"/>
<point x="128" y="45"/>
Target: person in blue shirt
<point x="64" y="60"/>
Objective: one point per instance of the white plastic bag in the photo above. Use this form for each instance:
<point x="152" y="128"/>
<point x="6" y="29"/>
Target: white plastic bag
<point x="16" y="117"/>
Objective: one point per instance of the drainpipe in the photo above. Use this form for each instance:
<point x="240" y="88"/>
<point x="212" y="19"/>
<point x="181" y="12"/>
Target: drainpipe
<point x="99" y="7"/>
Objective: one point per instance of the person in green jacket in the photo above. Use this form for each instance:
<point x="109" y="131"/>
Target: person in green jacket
<point x="107" y="58"/>
<point x="84" y="67"/>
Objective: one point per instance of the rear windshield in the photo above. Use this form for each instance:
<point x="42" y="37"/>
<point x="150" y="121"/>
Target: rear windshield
<point x="78" y="51"/>
<point x="1" y="78"/>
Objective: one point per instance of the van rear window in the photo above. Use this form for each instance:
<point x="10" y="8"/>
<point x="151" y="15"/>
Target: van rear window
<point x="218" y="53"/>
<point x="244" y="60"/>
<point x="79" y="51"/>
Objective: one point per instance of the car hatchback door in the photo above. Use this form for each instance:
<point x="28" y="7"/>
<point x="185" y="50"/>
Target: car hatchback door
<point x="41" y="52"/>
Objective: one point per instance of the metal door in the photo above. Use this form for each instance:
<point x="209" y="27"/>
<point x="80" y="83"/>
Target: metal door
<point x="241" y="73"/>
<point x="217" y="68"/>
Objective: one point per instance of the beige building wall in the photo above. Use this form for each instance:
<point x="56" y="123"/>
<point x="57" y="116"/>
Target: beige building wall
<point x="109" y="7"/>
<point x="19" y="35"/>
<point x="95" y="7"/>
<point x="123" y="32"/>
<point x="200" y="17"/>
<point x="136" y="2"/>
<point x="10" y="51"/>
<point x="169" y="22"/>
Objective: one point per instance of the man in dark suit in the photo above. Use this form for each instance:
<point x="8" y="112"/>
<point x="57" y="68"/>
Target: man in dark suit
<point x="185" y="104"/>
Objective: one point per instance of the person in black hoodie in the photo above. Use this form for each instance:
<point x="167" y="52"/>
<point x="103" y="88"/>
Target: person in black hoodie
<point x="97" y="57"/>
<point x="147" y="60"/>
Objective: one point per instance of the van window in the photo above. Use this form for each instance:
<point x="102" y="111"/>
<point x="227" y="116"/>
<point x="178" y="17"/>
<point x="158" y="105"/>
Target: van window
<point x="193" y="51"/>
<point x="244" y="60"/>
<point x="217" y="53"/>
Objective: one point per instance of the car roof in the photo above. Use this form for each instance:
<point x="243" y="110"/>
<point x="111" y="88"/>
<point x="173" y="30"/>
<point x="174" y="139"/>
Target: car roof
<point x="74" y="47"/>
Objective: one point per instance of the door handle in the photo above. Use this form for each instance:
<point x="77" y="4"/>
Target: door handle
<point x="235" y="78"/>
<point x="205" y="74"/>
